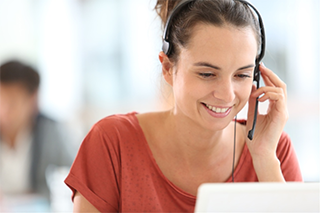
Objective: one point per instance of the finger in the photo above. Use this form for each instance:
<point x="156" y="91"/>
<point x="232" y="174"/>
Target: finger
<point x="263" y="90"/>
<point x="267" y="80"/>
<point x="272" y="96"/>
<point x="271" y="77"/>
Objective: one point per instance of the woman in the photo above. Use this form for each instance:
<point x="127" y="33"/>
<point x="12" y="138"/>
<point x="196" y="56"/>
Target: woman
<point x="154" y="162"/>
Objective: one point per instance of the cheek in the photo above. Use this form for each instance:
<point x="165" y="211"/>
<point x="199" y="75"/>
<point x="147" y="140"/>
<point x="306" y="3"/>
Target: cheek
<point x="186" y="89"/>
<point x="21" y="109"/>
<point x="244" y="92"/>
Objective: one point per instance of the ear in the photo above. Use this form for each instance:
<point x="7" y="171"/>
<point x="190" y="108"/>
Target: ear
<point x="167" y="67"/>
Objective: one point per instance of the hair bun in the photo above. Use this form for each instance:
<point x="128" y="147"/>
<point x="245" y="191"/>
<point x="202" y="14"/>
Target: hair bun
<point x="164" y="8"/>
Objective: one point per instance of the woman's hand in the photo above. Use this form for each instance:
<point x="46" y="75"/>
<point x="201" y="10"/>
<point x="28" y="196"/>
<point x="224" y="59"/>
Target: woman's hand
<point x="269" y="127"/>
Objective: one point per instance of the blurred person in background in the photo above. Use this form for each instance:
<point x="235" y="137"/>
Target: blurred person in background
<point x="29" y="140"/>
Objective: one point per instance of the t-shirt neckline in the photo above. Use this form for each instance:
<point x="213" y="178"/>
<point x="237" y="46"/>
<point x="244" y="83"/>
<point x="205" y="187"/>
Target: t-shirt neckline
<point x="177" y="189"/>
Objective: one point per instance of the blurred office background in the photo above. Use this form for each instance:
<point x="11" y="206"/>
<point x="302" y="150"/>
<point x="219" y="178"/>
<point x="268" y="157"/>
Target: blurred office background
<point x="100" y="57"/>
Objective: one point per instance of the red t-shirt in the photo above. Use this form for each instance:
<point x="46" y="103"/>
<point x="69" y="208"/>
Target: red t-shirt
<point x="116" y="172"/>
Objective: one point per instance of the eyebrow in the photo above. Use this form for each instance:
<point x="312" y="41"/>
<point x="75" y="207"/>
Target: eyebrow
<point x="205" y="64"/>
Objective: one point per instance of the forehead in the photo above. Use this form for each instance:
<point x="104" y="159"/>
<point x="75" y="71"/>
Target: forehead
<point x="13" y="91"/>
<point x="209" y="40"/>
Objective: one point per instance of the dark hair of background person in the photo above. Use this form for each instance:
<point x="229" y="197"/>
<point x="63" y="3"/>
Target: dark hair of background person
<point x="219" y="13"/>
<point x="18" y="73"/>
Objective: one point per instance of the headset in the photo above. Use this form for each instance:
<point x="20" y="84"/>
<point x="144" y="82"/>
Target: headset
<point x="167" y="47"/>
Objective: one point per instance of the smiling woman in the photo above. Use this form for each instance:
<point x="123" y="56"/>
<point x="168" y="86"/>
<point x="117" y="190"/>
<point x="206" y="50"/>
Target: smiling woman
<point x="149" y="162"/>
<point x="215" y="69"/>
<point x="204" y="75"/>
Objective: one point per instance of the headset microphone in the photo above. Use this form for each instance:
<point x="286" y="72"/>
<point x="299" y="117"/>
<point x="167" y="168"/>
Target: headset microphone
<point x="257" y="79"/>
<point x="256" y="72"/>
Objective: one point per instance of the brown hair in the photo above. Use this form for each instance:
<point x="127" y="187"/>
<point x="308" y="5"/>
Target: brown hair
<point x="216" y="12"/>
<point x="16" y="72"/>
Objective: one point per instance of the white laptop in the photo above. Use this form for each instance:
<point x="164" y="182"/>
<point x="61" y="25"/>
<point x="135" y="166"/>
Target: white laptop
<point x="258" y="197"/>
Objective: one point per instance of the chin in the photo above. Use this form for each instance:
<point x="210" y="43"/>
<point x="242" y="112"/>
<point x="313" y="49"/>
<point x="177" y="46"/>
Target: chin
<point x="216" y="123"/>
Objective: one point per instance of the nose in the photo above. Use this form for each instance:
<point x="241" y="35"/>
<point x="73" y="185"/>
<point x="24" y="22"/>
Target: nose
<point x="224" y="91"/>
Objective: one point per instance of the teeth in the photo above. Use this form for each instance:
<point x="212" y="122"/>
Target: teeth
<point x="216" y="109"/>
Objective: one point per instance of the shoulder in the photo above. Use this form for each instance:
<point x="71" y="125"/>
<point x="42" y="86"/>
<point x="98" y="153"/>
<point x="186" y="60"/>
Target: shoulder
<point x="284" y="138"/>
<point x="47" y="130"/>
<point x="42" y="119"/>
<point x="288" y="159"/>
<point x="46" y="126"/>
<point x="117" y="122"/>
<point x="115" y="129"/>
<point x="285" y="145"/>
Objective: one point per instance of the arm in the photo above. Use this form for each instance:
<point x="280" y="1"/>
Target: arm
<point x="81" y="204"/>
<point x="95" y="171"/>
<point x="269" y="126"/>
<point x="268" y="169"/>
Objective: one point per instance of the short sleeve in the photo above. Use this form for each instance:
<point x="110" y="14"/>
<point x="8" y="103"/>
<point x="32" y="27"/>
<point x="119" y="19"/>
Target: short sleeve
<point x="288" y="159"/>
<point x="95" y="170"/>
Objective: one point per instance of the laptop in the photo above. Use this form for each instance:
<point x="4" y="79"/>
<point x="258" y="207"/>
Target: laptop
<point x="258" y="197"/>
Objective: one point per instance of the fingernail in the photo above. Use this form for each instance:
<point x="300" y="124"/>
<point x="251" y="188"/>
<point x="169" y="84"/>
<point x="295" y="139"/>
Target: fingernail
<point x="262" y="64"/>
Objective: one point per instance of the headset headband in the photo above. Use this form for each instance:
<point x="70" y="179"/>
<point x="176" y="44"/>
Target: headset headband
<point x="167" y="47"/>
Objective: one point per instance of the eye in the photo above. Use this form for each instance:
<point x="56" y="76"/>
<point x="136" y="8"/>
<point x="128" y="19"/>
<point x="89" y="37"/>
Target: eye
<point x="207" y="75"/>
<point x="243" y="76"/>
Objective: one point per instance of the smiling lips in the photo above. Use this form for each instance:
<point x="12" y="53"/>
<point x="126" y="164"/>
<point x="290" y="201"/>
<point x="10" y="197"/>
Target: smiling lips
<point x="216" y="111"/>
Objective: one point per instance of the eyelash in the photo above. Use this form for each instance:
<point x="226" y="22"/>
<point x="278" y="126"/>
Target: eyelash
<point x="208" y="75"/>
<point x="243" y="76"/>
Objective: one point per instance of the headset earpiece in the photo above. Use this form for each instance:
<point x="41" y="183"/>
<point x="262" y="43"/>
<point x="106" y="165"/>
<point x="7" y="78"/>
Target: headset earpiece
<point x="166" y="47"/>
<point x="256" y="72"/>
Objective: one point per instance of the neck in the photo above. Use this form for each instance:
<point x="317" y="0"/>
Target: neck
<point x="194" y="141"/>
<point x="10" y="137"/>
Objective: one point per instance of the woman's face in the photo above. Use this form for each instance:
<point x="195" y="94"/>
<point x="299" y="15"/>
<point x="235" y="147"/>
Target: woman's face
<point x="212" y="80"/>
